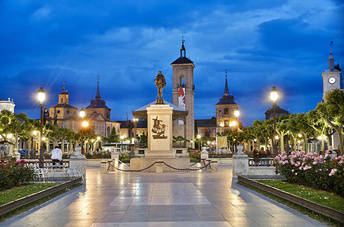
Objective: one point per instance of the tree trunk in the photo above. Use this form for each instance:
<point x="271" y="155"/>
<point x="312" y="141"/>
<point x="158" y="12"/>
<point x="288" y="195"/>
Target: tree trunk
<point x="62" y="146"/>
<point x="305" y="144"/>
<point x="295" y="143"/>
<point x="340" y="135"/>
<point x="282" y="143"/>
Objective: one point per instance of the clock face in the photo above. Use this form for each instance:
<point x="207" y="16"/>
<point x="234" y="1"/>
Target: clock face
<point x="331" y="80"/>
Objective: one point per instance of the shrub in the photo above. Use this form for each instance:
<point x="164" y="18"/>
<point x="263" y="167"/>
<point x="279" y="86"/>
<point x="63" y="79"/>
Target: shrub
<point x="195" y="156"/>
<point x="124" y="157"/>
<point x="312" y="170"/>
<point x="98" y="155"/>
<point x="14" y="173"/>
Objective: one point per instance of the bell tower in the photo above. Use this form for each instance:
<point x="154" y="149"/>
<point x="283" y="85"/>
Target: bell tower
<point x="183" y="93"/>
<point x="332" y="78"/>
<point x="64" y="96"/>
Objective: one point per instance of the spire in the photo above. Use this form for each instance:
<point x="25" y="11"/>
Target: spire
<point x="330" y="58"/>
<point x="226" y="86"/>
<point x="182" y="49"/>
<point x="98" y="93"/>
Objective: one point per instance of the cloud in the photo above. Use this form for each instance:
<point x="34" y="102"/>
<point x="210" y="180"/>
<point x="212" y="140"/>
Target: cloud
<point x="261" y="43"/>
<point x="41" y="13"/>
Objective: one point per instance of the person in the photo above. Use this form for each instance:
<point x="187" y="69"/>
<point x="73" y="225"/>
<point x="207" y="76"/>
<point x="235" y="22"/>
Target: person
<point x="56" y="155"/>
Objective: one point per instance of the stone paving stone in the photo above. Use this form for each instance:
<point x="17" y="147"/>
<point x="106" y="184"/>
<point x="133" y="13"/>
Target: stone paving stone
<point x="165" y="199"/>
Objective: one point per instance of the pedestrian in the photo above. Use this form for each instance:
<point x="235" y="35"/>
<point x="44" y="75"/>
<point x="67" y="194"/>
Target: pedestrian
<point x="56" y="155"/>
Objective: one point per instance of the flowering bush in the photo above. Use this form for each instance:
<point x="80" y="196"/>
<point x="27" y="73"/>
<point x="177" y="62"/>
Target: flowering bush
<point x="195" y="156"/>
<point x="312" y="170"/>
<point x="14" y="174"/>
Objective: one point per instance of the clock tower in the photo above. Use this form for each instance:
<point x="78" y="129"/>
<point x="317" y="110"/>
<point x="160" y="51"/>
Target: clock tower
<point x="332" y="78"/>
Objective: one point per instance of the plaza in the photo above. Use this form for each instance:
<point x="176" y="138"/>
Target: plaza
<point x="168" y="199"/>
<point x="171" y="113"/>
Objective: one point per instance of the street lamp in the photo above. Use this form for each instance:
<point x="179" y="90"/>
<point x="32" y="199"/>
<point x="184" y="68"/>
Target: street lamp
<point x="236" y="113"/>
<point x="41" y="97"/>
<point x="274" y="96"/>
<point x="199" y="141"/>
<point x="84" y="125"/>
<point x="233" y="124"/>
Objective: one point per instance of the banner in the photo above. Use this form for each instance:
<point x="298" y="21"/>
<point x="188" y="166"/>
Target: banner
<point x="222" y="142"/>
<point x="181" y="97"/>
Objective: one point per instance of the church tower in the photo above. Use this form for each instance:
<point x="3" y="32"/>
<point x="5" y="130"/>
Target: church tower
<point x="63" y="96"/>
<point x="98" y="107"/>
<point x="225" y="109"/>
<point x="63" y="110"/>
<point x="332" y="78"/>
<point x="183" y="93"/>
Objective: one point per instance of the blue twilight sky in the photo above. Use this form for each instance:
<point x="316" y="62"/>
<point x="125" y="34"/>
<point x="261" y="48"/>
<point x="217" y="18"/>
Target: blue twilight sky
<point x="262" y="43"/>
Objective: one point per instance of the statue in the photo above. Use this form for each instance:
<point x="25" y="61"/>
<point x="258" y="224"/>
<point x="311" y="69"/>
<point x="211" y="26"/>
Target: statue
<point x="160" y="83"/>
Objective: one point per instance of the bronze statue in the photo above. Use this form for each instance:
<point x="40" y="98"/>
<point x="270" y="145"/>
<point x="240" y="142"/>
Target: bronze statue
<point x="160" y="83"/>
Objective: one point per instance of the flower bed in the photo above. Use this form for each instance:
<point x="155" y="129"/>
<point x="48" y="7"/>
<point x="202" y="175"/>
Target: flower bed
<point x="14" y="173"/>
<point x="312" y="170"/>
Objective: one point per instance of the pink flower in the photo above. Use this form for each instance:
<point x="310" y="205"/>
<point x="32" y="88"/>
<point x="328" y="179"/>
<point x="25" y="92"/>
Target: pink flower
<point x="333" y="171"/>
<point x="307" y="167"/>
<point x="315" y="162"/>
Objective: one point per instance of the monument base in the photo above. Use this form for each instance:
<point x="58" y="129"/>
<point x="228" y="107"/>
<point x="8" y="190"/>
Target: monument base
<point x="179" y="162"/>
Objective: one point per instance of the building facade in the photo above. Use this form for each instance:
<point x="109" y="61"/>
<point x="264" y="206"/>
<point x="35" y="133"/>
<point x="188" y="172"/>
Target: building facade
<point x="7" y="105"/>
<point x="64" y="114"/>
<point x="97" y="114"/>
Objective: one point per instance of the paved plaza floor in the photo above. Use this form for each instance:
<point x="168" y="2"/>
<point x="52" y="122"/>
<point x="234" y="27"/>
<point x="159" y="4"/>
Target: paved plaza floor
<point x="161" y="199"/>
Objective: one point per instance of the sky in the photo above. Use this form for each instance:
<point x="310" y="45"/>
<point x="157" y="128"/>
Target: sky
<point x="282" y="43"/>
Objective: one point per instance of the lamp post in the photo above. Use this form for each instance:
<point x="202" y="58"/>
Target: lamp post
<point x="234" y="125"/>
<point x="135" y="120"/>
<point x="41" y="97"/>
<point x="199" y="141"/>
<point x="84" y="125"/>
<point x="274" y="97"/>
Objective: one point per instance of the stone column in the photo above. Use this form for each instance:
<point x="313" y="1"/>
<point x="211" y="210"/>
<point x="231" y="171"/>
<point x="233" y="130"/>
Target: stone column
<point x="240" y="162"/>
<point x="78" y="162"/>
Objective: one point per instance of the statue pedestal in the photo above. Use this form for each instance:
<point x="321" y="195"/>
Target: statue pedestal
<point x="160" y="148"/>
<point x="159" y="128"/>
<point x="240" y="162"/>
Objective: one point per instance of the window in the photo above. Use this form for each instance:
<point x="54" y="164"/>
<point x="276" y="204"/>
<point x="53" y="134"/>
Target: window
<point x="225" y="111"/>
<point x="58" y="111"/>
<point x="67" y="111"/>
<point x="226" y="123"/>
<point x="181" y="81"/>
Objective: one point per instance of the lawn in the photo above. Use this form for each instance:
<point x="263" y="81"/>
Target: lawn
<point x="22" y="191"/>
<point x="318" y="196"/>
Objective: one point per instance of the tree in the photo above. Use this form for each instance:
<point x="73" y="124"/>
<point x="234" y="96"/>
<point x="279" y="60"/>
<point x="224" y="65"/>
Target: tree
<point x="319" y="126"/>
<point x="332" y="111"/>
<point x="282" y="129"/>
<point x="113" y="137"/>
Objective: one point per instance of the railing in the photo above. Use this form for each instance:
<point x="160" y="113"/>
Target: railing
<point x="260" y="162"/>
<point x="46" y="163"/>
